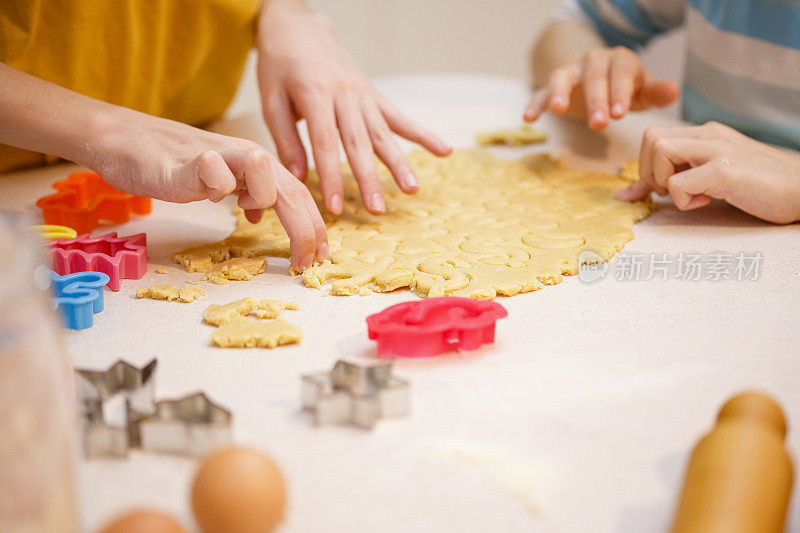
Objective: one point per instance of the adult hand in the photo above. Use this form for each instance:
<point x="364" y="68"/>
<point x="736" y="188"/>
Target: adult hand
<point x="694" y="164"/>
<point x="170" y="161"/>
<point x="304" y="73"/>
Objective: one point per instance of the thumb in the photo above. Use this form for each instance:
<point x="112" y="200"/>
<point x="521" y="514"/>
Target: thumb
<point x="636" y="191"/>
<point x="661" y="93"/>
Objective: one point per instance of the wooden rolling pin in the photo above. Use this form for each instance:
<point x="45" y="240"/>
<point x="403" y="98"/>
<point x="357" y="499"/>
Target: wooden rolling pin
<point x="739" y="477"/>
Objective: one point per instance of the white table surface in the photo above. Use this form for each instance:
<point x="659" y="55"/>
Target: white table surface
<point x="596" y="393"/>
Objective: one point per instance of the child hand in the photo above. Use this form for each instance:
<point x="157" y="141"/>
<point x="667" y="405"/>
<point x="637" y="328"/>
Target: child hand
<point x="178" y="163"/>
<point x="304" y="73"/>
<point x="607" y="82"/>
<point x="697" y="163"/>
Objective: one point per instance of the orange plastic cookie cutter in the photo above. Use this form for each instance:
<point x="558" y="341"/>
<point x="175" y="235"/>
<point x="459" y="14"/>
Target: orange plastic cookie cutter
<point x="84" y="200"/>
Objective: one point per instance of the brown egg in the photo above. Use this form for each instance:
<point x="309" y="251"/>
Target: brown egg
<point x="238" y="490"/>
<point x="143" y="521"/>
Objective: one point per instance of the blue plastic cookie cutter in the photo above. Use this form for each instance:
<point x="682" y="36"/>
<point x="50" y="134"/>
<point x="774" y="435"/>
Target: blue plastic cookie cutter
<point x="78" y="296"/>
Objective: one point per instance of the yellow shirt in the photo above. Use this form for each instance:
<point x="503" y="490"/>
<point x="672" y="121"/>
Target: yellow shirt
<point x="178" y="59"/>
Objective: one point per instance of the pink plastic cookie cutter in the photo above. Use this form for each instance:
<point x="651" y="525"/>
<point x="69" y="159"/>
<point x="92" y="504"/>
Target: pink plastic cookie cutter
<point x="119" y="257"/>
<point x="430" y="327"/>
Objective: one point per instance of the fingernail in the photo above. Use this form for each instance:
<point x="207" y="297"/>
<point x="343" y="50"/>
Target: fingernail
<point x="336" y="203"/>
<point x="376" y="202"/>
<point x="444" y="147"/>
<point x="597" y="118"/>
<point x="617" y="110"/>
<point x="322" y="251"/>
<point x="410" y="181"/>
<point x="557" y="102"/>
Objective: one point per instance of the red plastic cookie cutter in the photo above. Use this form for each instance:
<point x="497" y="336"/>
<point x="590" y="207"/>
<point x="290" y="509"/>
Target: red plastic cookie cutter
<point x="119" y="257"/>
<point x="84" y="200"/>
<point x="430" y="327"/>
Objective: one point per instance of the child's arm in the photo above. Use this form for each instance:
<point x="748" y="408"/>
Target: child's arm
<point x="304" y="73"/>
<point x="155" y="157"/>
<point x="697" y="163"/>
<point x="577" y="73"/>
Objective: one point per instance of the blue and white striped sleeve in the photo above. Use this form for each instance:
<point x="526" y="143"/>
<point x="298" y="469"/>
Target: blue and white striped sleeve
<point x="630" y="23"/>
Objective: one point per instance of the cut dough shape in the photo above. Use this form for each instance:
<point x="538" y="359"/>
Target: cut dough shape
<point x="169" y="292"/>
<point x="218" y="314"/>
<point x="246" y="332"/>
<point x="479" y="227"/>
<point x="274" y="308"/>
<point x="236" y="269"/>
<point x="524" y="134"/>
<point x="161" y="270"/>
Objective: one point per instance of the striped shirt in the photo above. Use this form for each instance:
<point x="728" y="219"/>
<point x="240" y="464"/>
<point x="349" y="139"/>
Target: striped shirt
<point x="742" y="63"/>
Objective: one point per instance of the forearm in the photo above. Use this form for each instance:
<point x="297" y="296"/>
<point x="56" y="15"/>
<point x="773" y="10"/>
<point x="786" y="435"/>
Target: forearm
<point x="42" y="117"/>
<point x="562" y="42"/>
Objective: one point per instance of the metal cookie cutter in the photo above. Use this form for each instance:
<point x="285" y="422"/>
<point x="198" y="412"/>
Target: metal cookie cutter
<point x="355" y="394"/>
<point x="103" y="433"/>
<point x="192" y="425"/>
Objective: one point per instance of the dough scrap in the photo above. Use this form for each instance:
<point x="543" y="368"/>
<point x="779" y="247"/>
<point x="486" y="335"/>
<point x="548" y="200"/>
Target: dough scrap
<point x="161" y="270"/>
<point x="479" y="227"/>
<point x="218" y="314"/>
<point x="244" y="332"/>
<point x="524" y="134"/>
<point x="170" y="293"/>
<point x="274" y="308"/>
<point x="236" y="269"/>
<point x="202" y="258"/>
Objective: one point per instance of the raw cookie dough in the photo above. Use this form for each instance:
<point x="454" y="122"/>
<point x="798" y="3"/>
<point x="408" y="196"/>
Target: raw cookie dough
<point x="236" y="269"/>
<point x="218" y="314"/>
<point x="246" y="332"/>
<point x="274" y="308"/>
<point x="512" y="137"/>
<point x="479" y="227"/>
<point x="169" y="292"/>
<point x="161" y="270"/>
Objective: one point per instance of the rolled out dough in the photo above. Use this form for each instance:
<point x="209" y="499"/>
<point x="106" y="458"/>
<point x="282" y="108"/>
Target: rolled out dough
<point x="512" y="137"/>
<point x="479" y="227"/>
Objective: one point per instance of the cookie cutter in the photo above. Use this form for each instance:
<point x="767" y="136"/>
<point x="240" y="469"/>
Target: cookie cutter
<point x="355" y="394"/>
<point x="84" y="199"/>
<point x="50" y="232"/>
<point x="78" y="297"/>
<point x="134" y="386"/>
<point x="425" y="328"/>
<point x="119" y="257"/>
<point x="192" y="425"/>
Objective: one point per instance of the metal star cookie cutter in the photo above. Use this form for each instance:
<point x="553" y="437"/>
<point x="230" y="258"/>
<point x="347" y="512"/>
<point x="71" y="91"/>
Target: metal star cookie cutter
<point x="355" y="394"/>
<point x="192" y="425"/>
<point x="136" y="386"/>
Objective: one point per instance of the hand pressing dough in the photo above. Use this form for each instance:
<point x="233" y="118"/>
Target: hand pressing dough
<point x="168" y="292"/>
<point x="479" y="227"/>
<point x="236" y="269"/>
<point x="246" y="332"/>
<point x="512" y="137"/>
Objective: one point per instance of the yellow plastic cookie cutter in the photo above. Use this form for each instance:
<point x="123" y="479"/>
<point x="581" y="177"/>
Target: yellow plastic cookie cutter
<point x="51" y="232"/>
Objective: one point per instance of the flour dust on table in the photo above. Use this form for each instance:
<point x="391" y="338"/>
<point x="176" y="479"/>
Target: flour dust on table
<point x="479" y="227"/>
